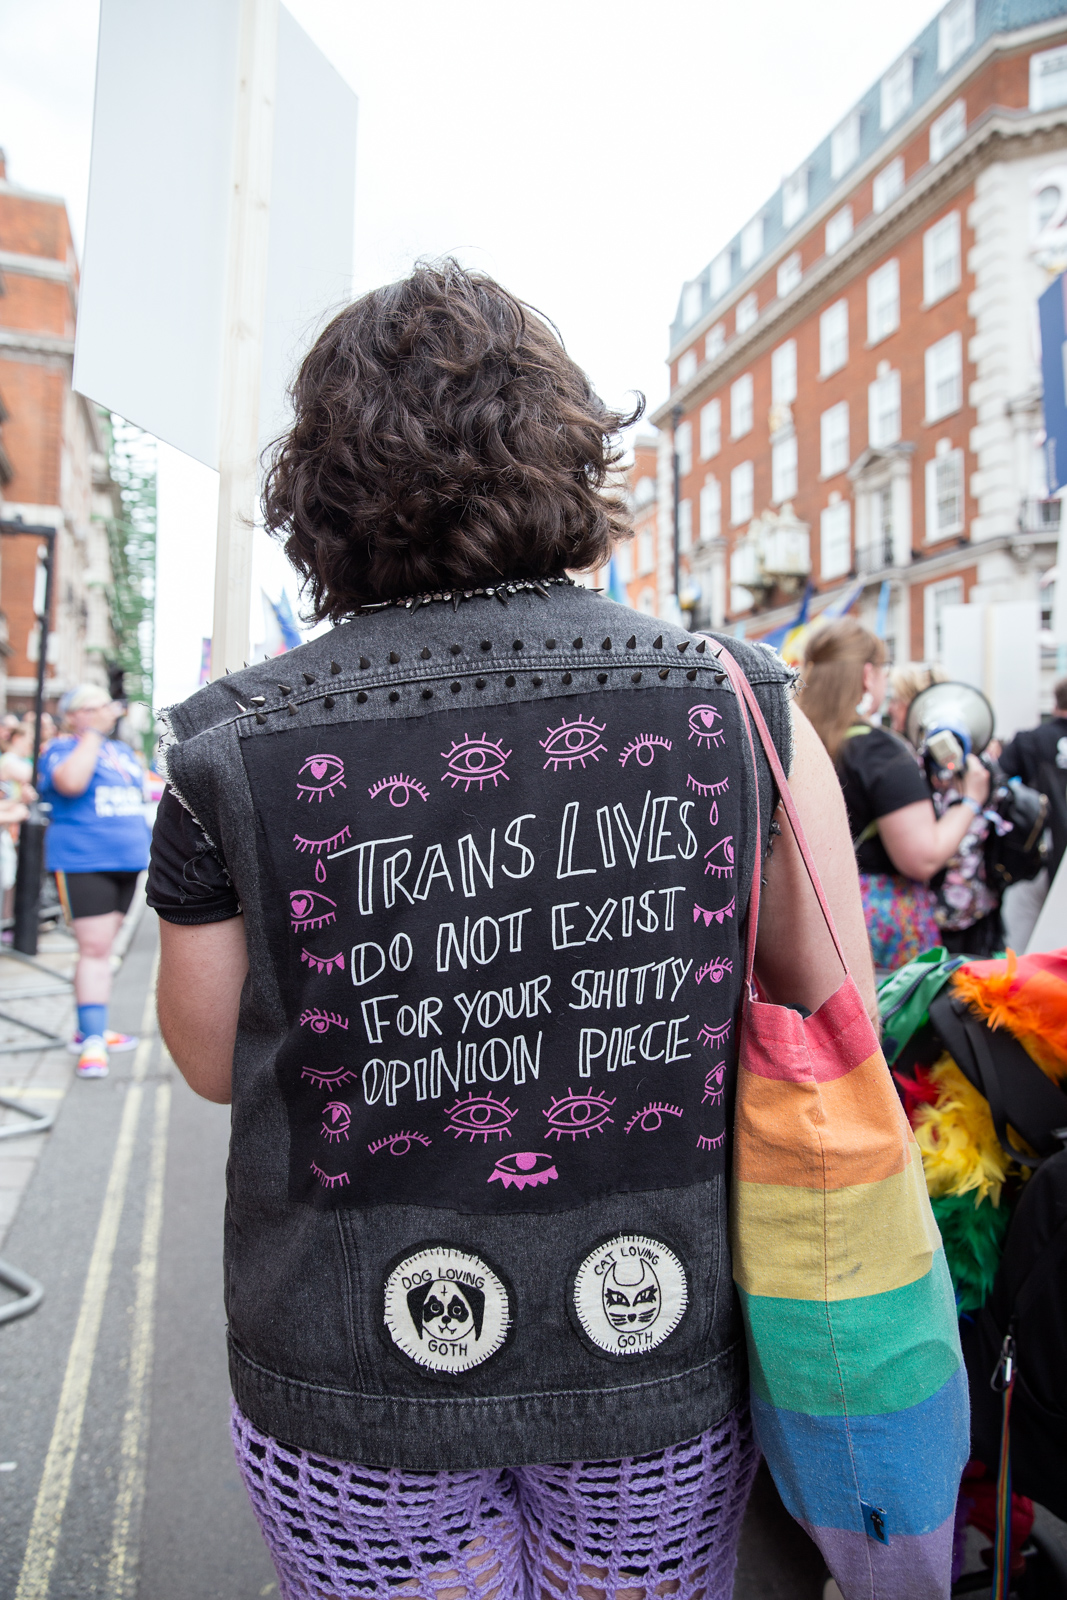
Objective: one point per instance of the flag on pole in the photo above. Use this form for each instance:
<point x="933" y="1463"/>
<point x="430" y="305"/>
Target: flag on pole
<point x="280" y="630"/>
<point x="788" y="640"/>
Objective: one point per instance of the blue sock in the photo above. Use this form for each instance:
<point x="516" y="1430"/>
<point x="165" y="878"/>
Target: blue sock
<point x="92" y="1020"/>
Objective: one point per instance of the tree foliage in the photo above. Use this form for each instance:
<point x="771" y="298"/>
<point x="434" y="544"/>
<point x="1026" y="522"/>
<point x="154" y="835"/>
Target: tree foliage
<point x="132" y="540"/>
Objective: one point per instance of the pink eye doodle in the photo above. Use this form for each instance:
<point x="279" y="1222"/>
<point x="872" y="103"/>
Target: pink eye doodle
<point x="321" y="1021"/>
<point x="578" y="1114"/>
<point x="578" y="741"/>
<point x="650" y="1120"/>
<point x="707" y="788"/>
<point x="338" y="1120"/>
<point x="320" y="775"/>
<point x="714" y="1038"/>
<point x="704" y="1143"/>
<point x="720" y="858"/>
<point x="523" y="1167"/>
<point x="714" y="969"/>
<point x="703" y="727"/>
<point x="326" y="1077"/>
<point x="480" y="1117"/>
<point x="398" y="1144"/>
<point x="643" y="749"/>
<point x="400" y="789"/>
<point x="321" y="847"/>
<point x="310" y="909"/>
<point x="479" y="761"/>
<point x="323" y="963"/>
<point x="329" y="1180"/>
<point x="718" y="916"/>
<point x="713" y="1084"/>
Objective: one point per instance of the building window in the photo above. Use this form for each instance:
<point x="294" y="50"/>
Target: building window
<point x="687" y="365"/>
<point x="883" y="408"/>
<point x="741" y="406"/>
<point x="883" y="302"/>
<point x="784" y="373"/>
<point x="1048" y="79"/>
<point x="714" y="342"/>
<point x="644" y="491"/>
<point x="944" y="493"/>
<point x="692" y="302"/>
<point x="741" y="494"/>
<point x="720" y="275"/>
<point x="683" y="447"/>
<point x="710" y="429"/>
<point x="833" y="440"/>
<point x="944" y="377"/>
<point x="955" y="33"/>
<point x="624" y="562"/>
<point x="845" y="145"/>
<point x="711" y="509"/>
<point x="646" y="552"/>
<point x="646" y="602"/>
<point x="784" y="469"/>
<point x="888" y="184"/>
<point x="936" y="596"/>
<point x="948" y="131"/>
<point x="746" y="313"/>
<point x="794" y="197"/>
<point x="835" y="540"/>
<point x="833" y="338"/>
<point x="897" y="91"/>
<point x="751" y="243"/>
<point x="941" y="258"/>
<point x="685" y="524"/>
<point x="789" y="274"/>
<point x="838" y="230"/>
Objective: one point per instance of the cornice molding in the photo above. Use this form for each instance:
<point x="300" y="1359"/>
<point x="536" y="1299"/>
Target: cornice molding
<point x="35" y="266"/>
<point x="22" y="342"/>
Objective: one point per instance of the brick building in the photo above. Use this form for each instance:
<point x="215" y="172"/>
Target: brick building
<point x="636" y="561"/>
<point x="53" y="456"/>
<point x="855" y="380"/>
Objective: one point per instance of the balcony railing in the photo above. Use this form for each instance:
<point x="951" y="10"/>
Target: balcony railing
<point x="1039" y="516"/>
<point x="876" y="557"/>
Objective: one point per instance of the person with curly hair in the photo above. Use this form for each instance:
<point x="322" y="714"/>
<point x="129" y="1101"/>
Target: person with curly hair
<point x="452" y="902"/>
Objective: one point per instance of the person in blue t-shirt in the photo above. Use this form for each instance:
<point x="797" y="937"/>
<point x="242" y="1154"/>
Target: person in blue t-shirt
<point x="97" y="844"/>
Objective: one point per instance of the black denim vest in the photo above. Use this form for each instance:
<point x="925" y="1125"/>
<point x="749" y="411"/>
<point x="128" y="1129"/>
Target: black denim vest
<point x="494" y="868"/>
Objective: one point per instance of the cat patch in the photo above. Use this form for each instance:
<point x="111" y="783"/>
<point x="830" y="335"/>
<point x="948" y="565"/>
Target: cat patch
<point x="630" y="1294"/>
<point x="446" y="1309"/>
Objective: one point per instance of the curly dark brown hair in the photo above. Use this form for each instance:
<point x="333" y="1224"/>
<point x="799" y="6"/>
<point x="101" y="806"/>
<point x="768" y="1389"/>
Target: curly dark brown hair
<point x="442" y="438"/>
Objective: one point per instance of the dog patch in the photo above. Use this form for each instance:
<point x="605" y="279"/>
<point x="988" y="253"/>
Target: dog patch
<point x="630" y="1294"/>
<point x="446" y="1309"/>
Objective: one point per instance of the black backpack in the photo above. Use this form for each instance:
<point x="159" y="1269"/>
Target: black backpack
<point x="1019" y="854"/>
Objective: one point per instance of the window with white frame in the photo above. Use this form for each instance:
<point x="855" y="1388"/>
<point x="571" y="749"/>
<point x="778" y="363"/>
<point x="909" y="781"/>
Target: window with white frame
<point x="714" y="341"/>
<point x="692" y="302"/>
<point x="683" y="447"/>
<point x="644" y="491"/>
<point x="746" y="313"/>
<point x="624" y="561"/>
<point x="741" y="406"/>
<point x="646" y="602"/>
<point x="685" y="524"/>
<point x="883" y="302"/>
<point x="834" y="440"/>
<point x="741" y="493"/>
<point x="838" y="230"/>
<point x="941" y="258"/>
<point x="687" y="365"/>
<point x="646" y="552"/>
<point x="845" y="145"/>
<point x="790" y="273"/>
<point x="833" y="338"/>
<point x="897" y="88"/>
<point x="944" y="493"/>
<point x="888" y="184"/>
<point x="883" y="408"/>
<point x="948" y="130"/>
<point x="835" y="539"/>
<point x="794" y="197"/>
<point x="784" y="373"/>
<point x="944" y="377"/>
<point x="751" y="243"/>
<point x="1048" y="79"/>
<point x="936" y="596"/>
<point x="710" y="429"/>
<point x="955" y="33"/>
<point x="711" y="509"/>
<point x="720" y="275"/>
<point x="784" y="469"/>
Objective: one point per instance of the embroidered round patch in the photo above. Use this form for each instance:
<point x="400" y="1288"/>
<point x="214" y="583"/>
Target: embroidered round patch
<point x="446" y="1309"/>
<point x="630" y="1294"/>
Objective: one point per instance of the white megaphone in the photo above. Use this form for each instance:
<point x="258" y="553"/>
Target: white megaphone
<point x="946" y="723"/>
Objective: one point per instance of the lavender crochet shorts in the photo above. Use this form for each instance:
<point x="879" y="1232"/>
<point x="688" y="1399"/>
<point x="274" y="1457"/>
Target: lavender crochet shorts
<point x="665" y="1524"/>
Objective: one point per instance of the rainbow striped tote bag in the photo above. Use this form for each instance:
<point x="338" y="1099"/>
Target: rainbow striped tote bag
<point x="858" y="1390"/>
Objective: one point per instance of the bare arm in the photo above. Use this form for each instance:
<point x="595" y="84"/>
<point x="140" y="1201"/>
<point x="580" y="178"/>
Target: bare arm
<point x="201" y="974"/>
<point x="74" y="775"/>
<point x="795" y="957"/>
<point x="918" y="842"/>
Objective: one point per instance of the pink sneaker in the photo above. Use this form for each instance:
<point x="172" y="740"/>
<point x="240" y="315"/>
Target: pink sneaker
<point x="114" y="1041"/>
<point x="93" y="1063"/>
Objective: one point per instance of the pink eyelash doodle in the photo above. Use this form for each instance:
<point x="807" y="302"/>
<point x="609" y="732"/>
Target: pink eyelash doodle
<point x="327" y="1077"/>
<point x="704" y="1143"/>
<point x="399" y="785"/>
<point x="329" y="1180"/>
<point x="714" y="1038"/>
<point x="650" y="1120"/>
<point x="480" y="1117"/>
<point x="321" y="1021"/>
<point x="306" y="911"/>
<point x="321" y="775"/>
<point x="321" y="847"/>
<point x="339" y="1119"/>
<point x="475" y="761"/>
<point x="702" y="726"/>
<point x="720" y="858"/>
<point x="398" y="1144"/>
<point x="713" y="1084"/>
<point x="323" y="963"/>
<point x="714" y="969"/>
<point x="578" y="741"/>
<point x="643" y="749"/>
<point x="707" y="788"/>
<point x="523" y="1167"/>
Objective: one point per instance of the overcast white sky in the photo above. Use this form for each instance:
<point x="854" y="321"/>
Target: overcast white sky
<point x="590" y="156"/>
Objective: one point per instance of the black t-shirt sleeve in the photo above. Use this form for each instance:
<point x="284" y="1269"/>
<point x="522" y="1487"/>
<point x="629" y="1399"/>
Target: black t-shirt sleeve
<point x="187" y="880"/>
<point x="879" y="774"/>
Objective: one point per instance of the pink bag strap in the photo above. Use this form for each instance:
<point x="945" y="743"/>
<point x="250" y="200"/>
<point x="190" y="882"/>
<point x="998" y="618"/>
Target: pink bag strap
<point x="751" y="713"/>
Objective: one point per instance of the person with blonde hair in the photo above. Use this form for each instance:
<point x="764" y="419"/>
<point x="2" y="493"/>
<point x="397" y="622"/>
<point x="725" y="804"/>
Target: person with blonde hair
<point x="900" y="843"/>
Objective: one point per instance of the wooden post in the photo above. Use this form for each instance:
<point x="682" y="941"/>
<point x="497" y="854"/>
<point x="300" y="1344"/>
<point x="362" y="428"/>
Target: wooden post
<point x="246" y="292"/>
